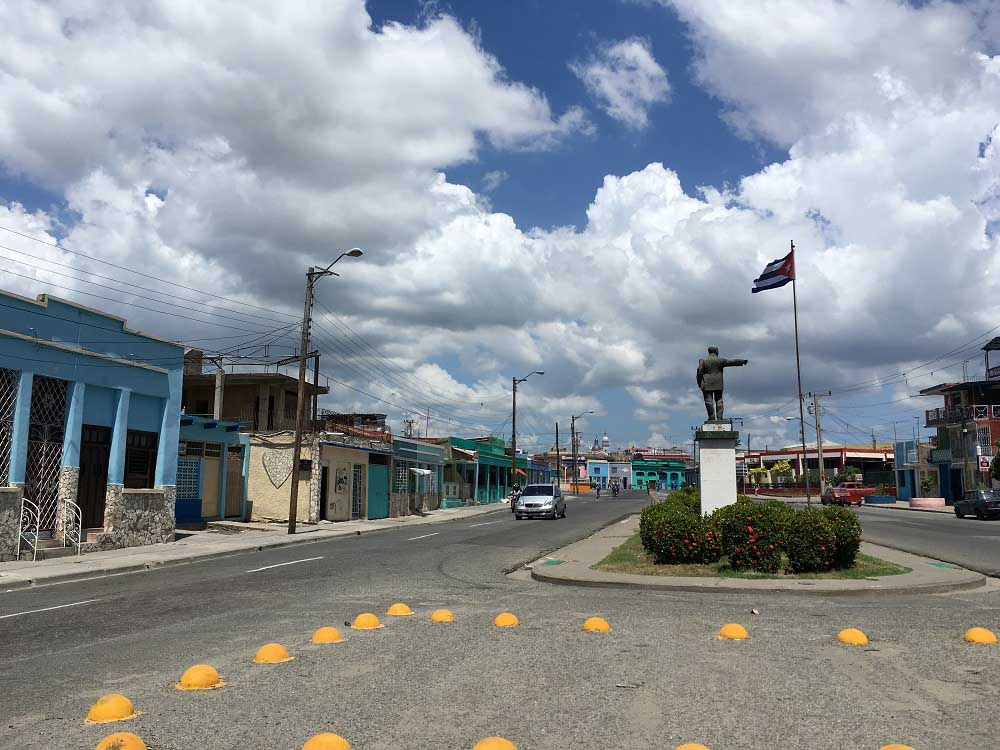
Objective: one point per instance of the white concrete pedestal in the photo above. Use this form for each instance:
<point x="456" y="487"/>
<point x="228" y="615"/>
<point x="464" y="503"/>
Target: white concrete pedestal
<point x="717" y="466"/>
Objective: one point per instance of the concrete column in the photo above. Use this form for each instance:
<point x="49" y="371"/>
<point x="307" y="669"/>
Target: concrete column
<point x="245" y="444"/>
<point x="170" y="428"/>
<point x="19" y="439"/>
<point x="262" y="394"/>
<point x="74" y="425"/>
<point x="119" y="433"/>
<point x="224" y="473"/>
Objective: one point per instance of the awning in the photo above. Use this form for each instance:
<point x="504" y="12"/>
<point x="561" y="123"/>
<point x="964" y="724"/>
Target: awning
<point x="522" y="472"/>
<point x="421" y="472"/>
<point x="464" y="454"/>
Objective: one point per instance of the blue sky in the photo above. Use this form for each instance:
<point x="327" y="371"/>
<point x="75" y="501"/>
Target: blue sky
<point x="226" y="150"/>
<point x="535" y="40"/>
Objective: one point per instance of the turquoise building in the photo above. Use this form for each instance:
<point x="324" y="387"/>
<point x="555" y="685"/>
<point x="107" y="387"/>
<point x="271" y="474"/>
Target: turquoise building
<point x="664" y="475"/>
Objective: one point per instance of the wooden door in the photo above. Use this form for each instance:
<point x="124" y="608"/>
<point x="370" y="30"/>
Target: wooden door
<point x="140" y="459"/>
<point x="95" y="451"/>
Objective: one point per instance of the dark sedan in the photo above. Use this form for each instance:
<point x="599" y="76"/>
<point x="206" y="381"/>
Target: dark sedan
<point x="981" y="503"/>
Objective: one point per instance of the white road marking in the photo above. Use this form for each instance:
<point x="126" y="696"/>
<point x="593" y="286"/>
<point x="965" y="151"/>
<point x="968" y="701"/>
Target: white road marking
<point x="482" y="524"/>
<point x="625" y="520"/>
<point x="48" y="609"/>
<point x="278" y="565"/>
<point x="413" y="539"/>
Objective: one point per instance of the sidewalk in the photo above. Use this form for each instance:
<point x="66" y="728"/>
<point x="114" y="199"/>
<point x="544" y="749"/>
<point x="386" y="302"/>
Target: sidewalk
<point x="232" y="538"/>
<point x="571" y="566"/>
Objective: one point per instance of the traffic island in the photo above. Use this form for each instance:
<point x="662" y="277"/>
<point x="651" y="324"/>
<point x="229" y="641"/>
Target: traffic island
<point x="885" y="571"/>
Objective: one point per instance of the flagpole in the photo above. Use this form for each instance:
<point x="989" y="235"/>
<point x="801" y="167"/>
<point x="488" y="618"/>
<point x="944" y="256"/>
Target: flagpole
<point x="798" y="375"/>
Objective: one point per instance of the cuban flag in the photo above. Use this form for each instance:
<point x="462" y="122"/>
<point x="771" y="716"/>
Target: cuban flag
<point x="776" y="273"/>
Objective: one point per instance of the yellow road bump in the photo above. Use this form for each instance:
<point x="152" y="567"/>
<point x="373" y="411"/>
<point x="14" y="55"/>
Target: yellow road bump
<point x="733" y="632"/>
<point x="111" y="707"/>
<point x="327" y="635"/>
<point x="980" y="635"/>
<point x="399" y="610"/>
<point x="691" y="746"/>
<point x="121" y="741"/>
<point x="852" y="637"/>
<point x="272" y="653"/>
<point x="506" y="620"/>
<point x="326" y="741"/>
<point x="366" y="621"/>
<point x="442" y="615"/>
<point x="895" y="747"/>
<point x="494" y="743"/>
<point x="199" y="677"/>
<point x="596" y="625"/>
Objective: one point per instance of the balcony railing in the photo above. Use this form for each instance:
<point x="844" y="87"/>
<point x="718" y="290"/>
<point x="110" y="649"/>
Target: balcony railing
<point x="936" y="417"/>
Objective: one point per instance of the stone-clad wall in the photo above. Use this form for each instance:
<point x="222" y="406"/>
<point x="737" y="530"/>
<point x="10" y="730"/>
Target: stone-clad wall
<point x="69" y="482"/>
<point x="133" y="518"/>
<point x="10" y="521"/>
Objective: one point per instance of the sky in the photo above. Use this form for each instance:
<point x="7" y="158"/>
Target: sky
<point x="586" y="189"/>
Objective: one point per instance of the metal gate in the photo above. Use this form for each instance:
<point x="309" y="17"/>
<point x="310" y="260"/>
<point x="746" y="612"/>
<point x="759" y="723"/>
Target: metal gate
<point x="8" y="399"/>
<point x="47" y="425"/>
<point x="358" y="492"/>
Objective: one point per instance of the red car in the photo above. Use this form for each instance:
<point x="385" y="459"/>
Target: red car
<point x="847" y="493"/>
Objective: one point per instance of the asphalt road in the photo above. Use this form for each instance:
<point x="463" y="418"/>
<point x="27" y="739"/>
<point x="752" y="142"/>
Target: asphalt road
<point x="968" y="542"/>
<point x="659" y="679"/>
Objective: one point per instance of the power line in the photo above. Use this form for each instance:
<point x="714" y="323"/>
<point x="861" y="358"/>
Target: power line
<point x="117" y="281"/>
<point x="140" y="273"/>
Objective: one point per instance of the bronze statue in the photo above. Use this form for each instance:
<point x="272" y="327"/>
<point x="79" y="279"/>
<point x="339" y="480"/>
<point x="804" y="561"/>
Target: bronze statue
<point x="710" y="380"/>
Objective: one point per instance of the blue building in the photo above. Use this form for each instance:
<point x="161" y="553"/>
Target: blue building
<point x="89" y="421"/>
<point x="597" y="473"/>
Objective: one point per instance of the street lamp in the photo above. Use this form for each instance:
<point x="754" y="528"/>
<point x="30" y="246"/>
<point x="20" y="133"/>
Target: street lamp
<point x="312" y="276"/>
<point x="513" y="422"/>
<point x="576" y="467"/>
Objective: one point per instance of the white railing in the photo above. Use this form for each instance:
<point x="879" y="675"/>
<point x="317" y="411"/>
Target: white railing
<point x="72" y="525"/>
<point x="27" y="531"/>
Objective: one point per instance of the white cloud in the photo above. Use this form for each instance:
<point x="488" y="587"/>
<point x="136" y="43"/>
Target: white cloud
<point x="494" y="179"/>
<point x="230" y="160"/>
<point x="625" y="80"/>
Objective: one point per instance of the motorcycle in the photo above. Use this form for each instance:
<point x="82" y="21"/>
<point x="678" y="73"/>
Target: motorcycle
<point x="515" y="495"/>
<point x="614" y="491"/>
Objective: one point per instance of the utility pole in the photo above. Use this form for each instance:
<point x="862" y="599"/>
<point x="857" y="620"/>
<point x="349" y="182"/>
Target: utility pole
<point x="572" y="439"/>
<point x="312" y="276"/>
<point x="816" y="409"/>
<point x="513" y="423"/>
<point x="427" y="424"/>
<point x="558" y="459"/>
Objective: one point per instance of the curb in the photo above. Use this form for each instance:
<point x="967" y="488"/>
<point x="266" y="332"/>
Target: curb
<point x="909" y="510"/>
<point x="28" y="582"/>
<point x="576" y="570"/>
<point x="930" y="588"/>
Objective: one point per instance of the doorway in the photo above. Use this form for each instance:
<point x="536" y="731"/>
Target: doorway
<point x="95" y="452"/>
<point x="324" y="485"/>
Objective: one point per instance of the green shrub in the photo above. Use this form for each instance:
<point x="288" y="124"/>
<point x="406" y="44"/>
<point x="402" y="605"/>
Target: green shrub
<point x="847" y="532"/>
<point x="810" y="542"/>
<point x="672" y="534"/>
<point x="751" y="536"/>
<point x="688" y="498"/>
<point x="781" y="514"/>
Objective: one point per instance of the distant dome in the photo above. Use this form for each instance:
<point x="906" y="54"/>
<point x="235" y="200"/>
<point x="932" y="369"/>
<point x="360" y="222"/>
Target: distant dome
<point x="604" y="440"/>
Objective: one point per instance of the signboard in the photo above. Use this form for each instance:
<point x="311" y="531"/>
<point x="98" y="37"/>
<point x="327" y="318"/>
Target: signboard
<point x="984" y="463"/>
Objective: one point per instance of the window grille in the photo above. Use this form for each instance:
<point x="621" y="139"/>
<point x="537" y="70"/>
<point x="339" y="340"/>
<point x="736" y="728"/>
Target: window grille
<point x="188" y="479"/>
<point x="985" y="442"/>
<point x="402" y="483"/>
<point x="194" y="448"/>
<point x="47" y="425"/>
<point x="9" y="380"/>
<point x="213" y="450"/>
<point x="358" y="491"/>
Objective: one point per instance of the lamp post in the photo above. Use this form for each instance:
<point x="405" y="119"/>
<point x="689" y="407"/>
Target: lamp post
<point x="576" y="465"/>
<point x="513" y="422"/>
<point x="312" y="276"/>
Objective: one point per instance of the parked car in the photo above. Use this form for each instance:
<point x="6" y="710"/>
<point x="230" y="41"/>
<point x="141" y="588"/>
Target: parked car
<point x="981" y="503"/>
<point x="847" y="493"/>
<point x="540" y="501"/>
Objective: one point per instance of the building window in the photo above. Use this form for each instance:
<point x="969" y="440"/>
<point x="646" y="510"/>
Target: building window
<point x="194" y="448"/>
<point x="985" y="443"/>
<point x="140" y="459"/>
<point x="213" y="450"/>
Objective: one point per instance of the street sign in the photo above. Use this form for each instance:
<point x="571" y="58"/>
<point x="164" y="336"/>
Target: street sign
<point x="984" y="463"/>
